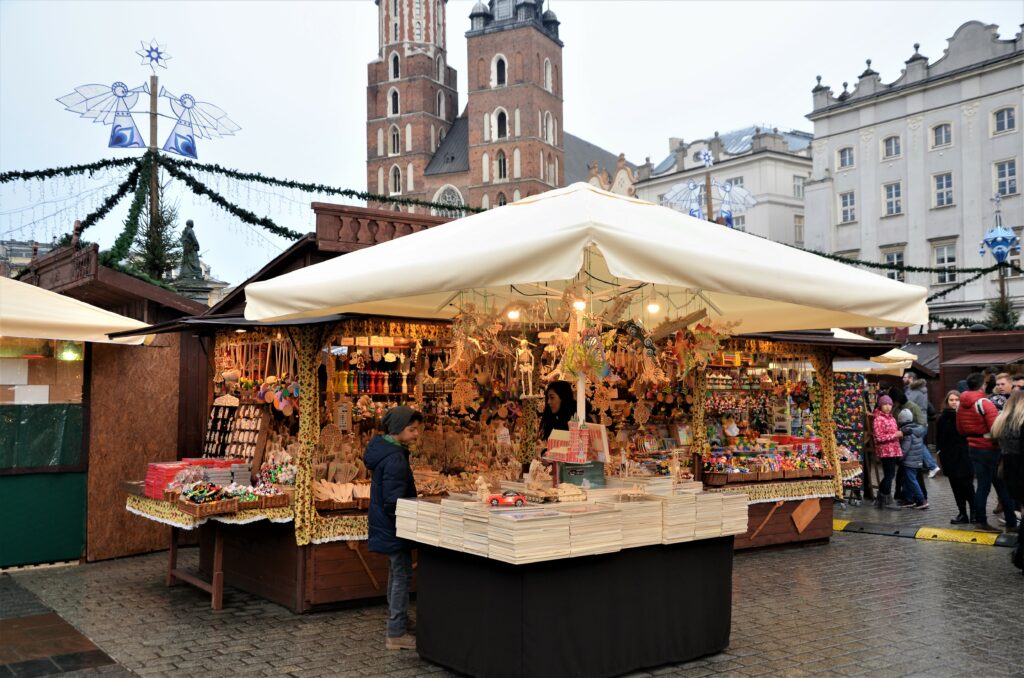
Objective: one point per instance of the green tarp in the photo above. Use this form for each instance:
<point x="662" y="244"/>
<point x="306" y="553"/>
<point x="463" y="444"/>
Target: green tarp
<point x="43" y="518"/>
<point x="33" y="436"/>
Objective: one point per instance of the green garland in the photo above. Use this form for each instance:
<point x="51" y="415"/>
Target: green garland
<point x="199" y="188"/>
<point x="108" y="204"/>
<point x="311" y="188"/>
<point x="963" y="283"/>
<point x="124" y="241"/>
<point x="894" y="267"/>
<point x="66" y="171"/>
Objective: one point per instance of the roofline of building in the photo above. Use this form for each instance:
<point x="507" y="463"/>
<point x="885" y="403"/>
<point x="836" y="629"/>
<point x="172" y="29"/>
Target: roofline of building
<point x="895" y="90"/>
<point x="732" y="159"/>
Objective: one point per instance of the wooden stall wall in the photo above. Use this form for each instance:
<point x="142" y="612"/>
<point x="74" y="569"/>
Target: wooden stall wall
<point x="134" y="402"/>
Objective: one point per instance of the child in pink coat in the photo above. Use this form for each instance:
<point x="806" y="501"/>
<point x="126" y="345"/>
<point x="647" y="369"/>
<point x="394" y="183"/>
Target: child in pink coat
<point x="887" y="448"/>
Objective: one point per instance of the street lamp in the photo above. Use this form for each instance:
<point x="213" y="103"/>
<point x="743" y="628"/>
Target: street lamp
<point x="1000" y="241"/>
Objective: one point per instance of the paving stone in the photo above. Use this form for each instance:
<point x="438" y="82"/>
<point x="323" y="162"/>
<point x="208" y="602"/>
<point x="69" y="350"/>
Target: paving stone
<point x="861" y="605"/>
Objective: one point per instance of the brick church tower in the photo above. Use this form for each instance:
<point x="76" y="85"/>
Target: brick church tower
<point x="411" y="99"/>
<point x="507" y="143"/>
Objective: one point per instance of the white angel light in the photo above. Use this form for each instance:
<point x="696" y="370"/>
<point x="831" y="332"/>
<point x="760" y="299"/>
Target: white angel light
<point x="195" y="119"/>
<point x="110" y="105"/>
<point x="686" y="197"/>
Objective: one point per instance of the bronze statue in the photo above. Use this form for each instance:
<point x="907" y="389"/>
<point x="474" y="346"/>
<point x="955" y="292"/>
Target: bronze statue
<point x="190" y="268"/>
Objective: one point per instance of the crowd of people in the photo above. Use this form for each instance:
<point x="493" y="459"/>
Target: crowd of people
<point x="979" y="440"/>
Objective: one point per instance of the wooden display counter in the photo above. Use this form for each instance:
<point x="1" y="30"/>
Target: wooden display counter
<point x="263" y="559"/>
<point x="786" y="522"/>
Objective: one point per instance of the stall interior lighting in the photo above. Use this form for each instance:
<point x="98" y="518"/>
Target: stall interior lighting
<point x="579" y="305"/>
<point x="652" y="304"/>
<point x="239" y="331"/>
<point x="513" y="314"/>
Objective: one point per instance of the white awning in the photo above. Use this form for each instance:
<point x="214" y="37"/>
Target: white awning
<point x="531" y="249"/>
<point x="32" y="312"/>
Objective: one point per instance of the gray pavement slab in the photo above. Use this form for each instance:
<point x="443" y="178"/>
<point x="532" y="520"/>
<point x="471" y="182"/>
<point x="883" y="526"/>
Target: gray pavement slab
<point x="860" y="605"/>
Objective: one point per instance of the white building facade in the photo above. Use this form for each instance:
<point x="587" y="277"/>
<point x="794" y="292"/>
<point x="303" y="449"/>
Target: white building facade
<point x="771" y="165"/>
<point x="907" y="172"/>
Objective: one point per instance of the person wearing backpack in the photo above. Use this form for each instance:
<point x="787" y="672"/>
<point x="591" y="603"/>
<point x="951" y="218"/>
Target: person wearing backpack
<point x="974" y="420"/>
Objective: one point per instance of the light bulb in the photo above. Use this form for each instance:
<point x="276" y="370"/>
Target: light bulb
<point x="579" y="305"/>
<point x="653" y="306"/>
<point x="513" y="314"/>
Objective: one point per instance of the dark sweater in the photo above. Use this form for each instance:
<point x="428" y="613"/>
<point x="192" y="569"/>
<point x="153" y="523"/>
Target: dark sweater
<point x="952" y="447"/>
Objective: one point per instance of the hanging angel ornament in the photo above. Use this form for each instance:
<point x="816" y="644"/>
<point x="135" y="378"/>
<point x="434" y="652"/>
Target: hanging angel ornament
<point x="109" y="105"/>
<point x="732" y="197"/>
<point x="686" y="197"/>
<point x="195" y="119"/>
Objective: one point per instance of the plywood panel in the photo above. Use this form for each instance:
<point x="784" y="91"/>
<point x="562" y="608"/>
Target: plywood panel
<point x="780" y="528"/>
<point x="134" y="400"/>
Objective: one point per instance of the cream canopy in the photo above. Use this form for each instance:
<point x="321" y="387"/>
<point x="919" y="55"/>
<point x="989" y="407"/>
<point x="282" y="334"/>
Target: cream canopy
<point x="32" y="312"/>
<point x="533" y="248"/>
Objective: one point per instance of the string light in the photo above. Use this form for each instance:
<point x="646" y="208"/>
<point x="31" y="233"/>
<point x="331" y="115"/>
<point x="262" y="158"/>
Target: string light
<point x="652" y="304"/>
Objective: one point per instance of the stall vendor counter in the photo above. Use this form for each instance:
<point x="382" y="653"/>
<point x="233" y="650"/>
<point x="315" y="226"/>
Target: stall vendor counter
<point x="601" y="615"/>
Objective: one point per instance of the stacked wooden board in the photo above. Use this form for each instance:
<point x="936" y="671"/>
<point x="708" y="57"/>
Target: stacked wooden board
<point x="593" y="529"/>
<point x="520" y="537"/>
<point x="536" y="533"/>
<point x="641" y="519"/>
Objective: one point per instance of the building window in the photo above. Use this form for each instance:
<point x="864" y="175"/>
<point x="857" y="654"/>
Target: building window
<point x="418" y="28"/>
<point x="549" y="128"/>
<point x="739" y="223"/>
<point x="847" y="208"/>
<point x="394" y="108"/>
<point x="846" y="157"/>
<point x="798" y="186"/>
<point x="943" y="189"/>
<point x="396" y="141"/>
<point x="499" y="72"/>
<point x="501" y="200"/>
<point x="735" y="181"/>
<point x="891" y="147"/>
<point x="440" y="69"/>
<point x="1006" y="177"/>
<point x="942" y="135"/>
<point x="394" y="8"/>
<point x="394" y="32"/>
<point x="449" y="195"/>
<point x="944" y="256"/>
<point x="417" y="8"/>
<point x="502" y="172"/>
<point x="893" y="199"/>
<point x="395" y="70"/>
<point x="440" y="104"/>
<point x="798" y="229"/>
<point x="1005" y="120"/>
<point x="547" y="74"/>
<point x="894" y="258"/>
<point x="502" y="126"/>
<point x="396" y="180"/>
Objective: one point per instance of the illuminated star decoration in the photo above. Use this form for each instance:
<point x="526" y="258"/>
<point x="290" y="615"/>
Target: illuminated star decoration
<point x="153" y="54"/>
<point x="706" y="156"/>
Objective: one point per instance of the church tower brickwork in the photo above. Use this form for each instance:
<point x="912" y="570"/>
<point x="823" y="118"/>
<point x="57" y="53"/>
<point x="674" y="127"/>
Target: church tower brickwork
<point x="411" y="96"/>
<point x="506" y="145"/>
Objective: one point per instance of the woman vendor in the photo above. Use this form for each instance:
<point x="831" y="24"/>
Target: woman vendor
<point x="559" y="408"/>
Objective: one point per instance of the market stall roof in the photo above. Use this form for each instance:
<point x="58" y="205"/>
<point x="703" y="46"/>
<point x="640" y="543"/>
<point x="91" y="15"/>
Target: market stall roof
<point x="219" y="322"/>
<point x="32" y="312"/>
<point x="871" y="367"/>
<point x="984" y="359"/>
<point x="608" y="244"/>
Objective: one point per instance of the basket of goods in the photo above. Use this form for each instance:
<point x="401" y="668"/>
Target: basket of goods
<point x="738" y="475"/>
<point x="716" y="478"/>
<point x="271" y="497"/>
<point x="247" y="499"/>
<point x="204" y="499"/>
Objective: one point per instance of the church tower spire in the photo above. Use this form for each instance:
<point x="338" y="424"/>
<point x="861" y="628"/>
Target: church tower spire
<point x="411" y="97"/>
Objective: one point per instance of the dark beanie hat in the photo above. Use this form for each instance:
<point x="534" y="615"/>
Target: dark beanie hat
<point x="397" y="418"/>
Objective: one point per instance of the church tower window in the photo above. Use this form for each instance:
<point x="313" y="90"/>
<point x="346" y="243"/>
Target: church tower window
<point x="396" y="179"/>
<point x="502" y="172"/>
<point x="500" y="74"/>
<point x="395" y="70"/>
<point x="502" y="125"/>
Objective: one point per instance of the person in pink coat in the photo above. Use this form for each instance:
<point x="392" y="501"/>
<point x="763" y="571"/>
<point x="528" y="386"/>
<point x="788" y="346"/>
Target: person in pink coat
<point x="887" y="448"/>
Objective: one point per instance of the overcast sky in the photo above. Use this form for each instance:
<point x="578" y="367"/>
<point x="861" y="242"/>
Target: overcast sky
<point x="293" y="76"/>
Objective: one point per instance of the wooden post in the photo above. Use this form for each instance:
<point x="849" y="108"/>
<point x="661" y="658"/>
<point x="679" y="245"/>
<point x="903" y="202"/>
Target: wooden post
<point x="707" y="195"/>
<point x="154" y="200"/>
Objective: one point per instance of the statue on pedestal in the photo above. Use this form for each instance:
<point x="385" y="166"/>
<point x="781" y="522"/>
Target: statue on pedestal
<point x="190" y="268"/>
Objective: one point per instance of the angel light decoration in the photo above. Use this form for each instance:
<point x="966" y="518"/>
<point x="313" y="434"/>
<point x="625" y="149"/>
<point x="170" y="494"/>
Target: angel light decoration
<point x="113" y="105"/>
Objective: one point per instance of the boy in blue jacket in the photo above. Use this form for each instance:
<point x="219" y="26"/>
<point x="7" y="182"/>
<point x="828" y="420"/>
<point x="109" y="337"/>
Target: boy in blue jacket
<point x="387" y="459"/>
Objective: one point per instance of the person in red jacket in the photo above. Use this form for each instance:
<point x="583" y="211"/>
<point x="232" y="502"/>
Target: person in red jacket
<point x="887" y="448"/>
<point x="974" y="420"/>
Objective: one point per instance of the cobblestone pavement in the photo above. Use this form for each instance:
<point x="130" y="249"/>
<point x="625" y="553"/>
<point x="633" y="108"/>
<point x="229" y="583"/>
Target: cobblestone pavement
<point x="941" y="509"/>
<point x="861" y="605"/>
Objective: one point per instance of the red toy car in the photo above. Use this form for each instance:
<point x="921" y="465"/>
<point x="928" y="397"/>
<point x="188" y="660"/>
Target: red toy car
<point x="507" y="498"/>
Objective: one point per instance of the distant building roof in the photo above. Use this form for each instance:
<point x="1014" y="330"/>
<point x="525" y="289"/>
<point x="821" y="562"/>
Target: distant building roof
<point x="580" y="153"/>
<point x="453" y="153"/>
<point x="738" y="142"/>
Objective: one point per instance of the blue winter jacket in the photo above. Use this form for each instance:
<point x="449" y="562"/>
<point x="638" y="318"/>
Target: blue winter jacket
<point x="912" y="442"/>
<point x="391" y="480"/>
